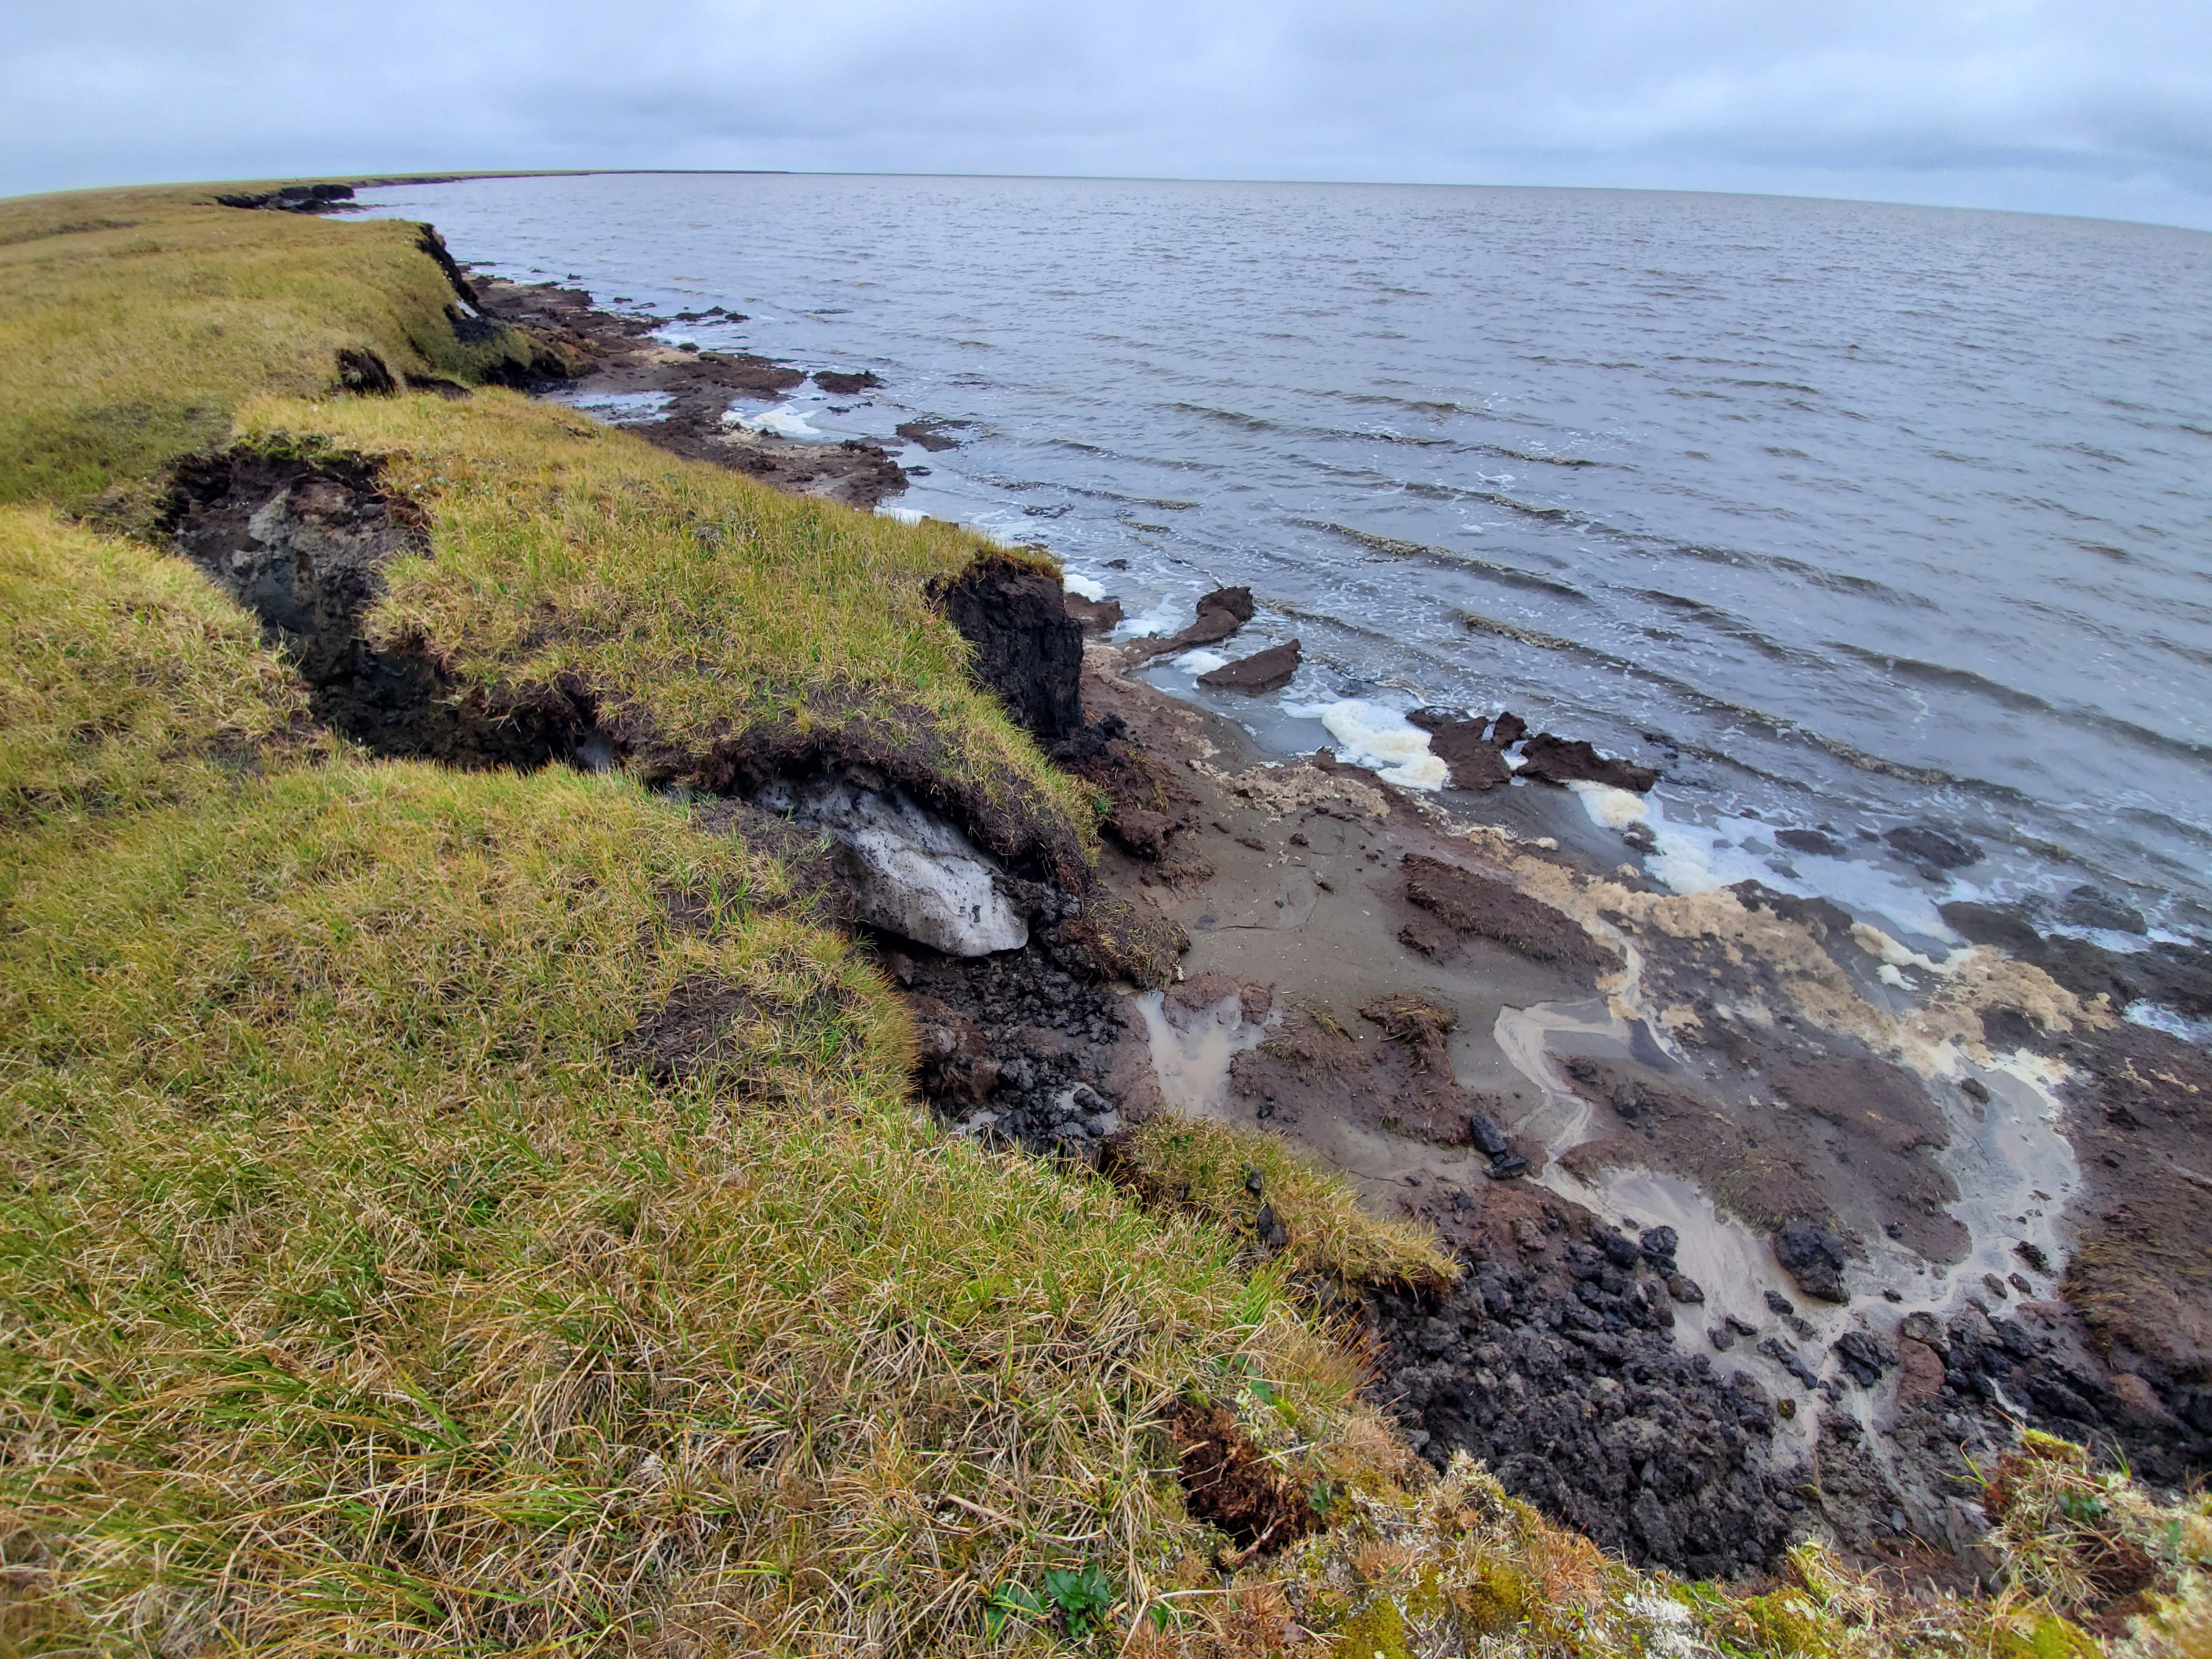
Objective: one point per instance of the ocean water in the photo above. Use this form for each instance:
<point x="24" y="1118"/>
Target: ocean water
<point x="1844" y="515"/>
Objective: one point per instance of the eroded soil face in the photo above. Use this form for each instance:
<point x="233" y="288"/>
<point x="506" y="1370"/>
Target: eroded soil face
<point x="301" y="543"/>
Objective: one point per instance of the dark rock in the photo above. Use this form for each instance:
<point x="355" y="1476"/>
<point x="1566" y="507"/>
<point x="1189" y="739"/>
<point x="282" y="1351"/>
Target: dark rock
<point x="1974" y="1089"/>
<point x="1506" y="1167"/>
<point x="1094" y="616"/>
<point x="1557" y="760"/>
<point x="1778" y="1304"/>
<point x="1264" y="671"/>
<point x="1484" y="1136"/>
<point x="2086" y="907"/>
<point x="1815" y="1257"/>
<point x="842" y="384"/>
<point x="1809" y="841"/>
<point x="1508" y="729"/>
<point x="1270" y="1231"/>
<point x="1863" y="1356"/>
<point x="2033" y="1255"/>
<point x="1683" y="1288"/>
<point x="930" y="434"/>
<point x="1028" y="649"/>
<point x="2005" y="925"/>
<point x="1619" y="1249"/>
<point x="1475" y="764"/>
<point x="1924" y="843"/>
<point x="1220" y="614"/>
<point x="1660" y="1241"/>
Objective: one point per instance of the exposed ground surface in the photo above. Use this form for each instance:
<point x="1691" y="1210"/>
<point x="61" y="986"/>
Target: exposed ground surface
<point x="463" y="1185"/>
<point x="1368" y="977"/>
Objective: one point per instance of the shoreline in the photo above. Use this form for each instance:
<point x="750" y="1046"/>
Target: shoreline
<point x="1888" y="1397"/>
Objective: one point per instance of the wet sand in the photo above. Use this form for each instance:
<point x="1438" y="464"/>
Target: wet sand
<point x="1721" y="1065"/>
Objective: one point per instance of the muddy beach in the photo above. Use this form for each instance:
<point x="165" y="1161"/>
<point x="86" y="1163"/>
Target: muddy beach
<point x="1773" y="1225"/>
<point x="683" y="400"/>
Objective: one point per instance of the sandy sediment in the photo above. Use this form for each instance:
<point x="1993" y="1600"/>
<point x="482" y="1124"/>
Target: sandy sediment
<point x="1761" y="1242"/>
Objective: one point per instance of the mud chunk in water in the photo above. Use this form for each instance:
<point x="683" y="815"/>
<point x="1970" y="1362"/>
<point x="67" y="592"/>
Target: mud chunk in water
<point x="1813" y="1257"/>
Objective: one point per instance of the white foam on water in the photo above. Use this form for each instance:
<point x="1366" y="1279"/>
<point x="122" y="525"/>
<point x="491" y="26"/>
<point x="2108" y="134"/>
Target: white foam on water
<point x="1200" y="661"/>
<point x="1148" y="624"/>
<point x="904" y="514"/>
<point x="784" y="421"/>
<point x="1612" y="808"/>
<point x="1082" y="587"/>
<point x="1696" y="858"/>
<point x="1379" y="738"/>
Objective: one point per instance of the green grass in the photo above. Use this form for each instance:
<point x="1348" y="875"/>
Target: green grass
<point x="701" y="612"/>
<point x="133" y="322"/>
<point x="124" y="679"/>
<point x="367" y="1290"/>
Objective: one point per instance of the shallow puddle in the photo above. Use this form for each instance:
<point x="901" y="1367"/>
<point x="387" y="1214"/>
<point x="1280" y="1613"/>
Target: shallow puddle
<point x="1192" y="1051"/>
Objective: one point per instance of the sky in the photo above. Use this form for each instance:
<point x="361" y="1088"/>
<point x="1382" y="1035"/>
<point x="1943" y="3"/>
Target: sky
<point x="2043" y="105"/>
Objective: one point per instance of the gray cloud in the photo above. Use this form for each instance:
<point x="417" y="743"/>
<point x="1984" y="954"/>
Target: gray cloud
<point x="2060" y="106"/>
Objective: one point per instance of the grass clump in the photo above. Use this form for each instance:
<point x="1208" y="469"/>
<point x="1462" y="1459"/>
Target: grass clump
<point x="704" y="617"/>
<point x="124" y="679"/>
<point x="133" y="322"/>
<point x="1205" y="1168"/>
<point x="360" y="1298"/>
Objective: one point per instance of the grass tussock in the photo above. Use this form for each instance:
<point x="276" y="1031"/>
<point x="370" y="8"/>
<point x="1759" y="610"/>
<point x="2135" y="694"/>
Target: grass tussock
<point x="1204" y="1168"/>
<point x="376" y="1277"/>
<point x="358" y="1299"/>
<point x="133" y="322"/>
<point x="124" y="680"/>
<point x="696" y="609"/>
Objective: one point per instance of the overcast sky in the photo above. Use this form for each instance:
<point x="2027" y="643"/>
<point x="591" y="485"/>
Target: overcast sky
<point x="2083" y="106"/>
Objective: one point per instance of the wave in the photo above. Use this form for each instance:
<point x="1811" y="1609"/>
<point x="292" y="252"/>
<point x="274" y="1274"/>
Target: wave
<point x="1391" y="547"/>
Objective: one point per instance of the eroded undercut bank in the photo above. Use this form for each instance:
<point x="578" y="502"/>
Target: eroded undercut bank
<point x="904" y="840"/>
<point x="301" y="542"/>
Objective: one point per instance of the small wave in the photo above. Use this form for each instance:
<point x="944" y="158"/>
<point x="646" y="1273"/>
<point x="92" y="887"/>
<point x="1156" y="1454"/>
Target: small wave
<point x="1965" y="679"/>
<point x="1550" y="460"/>
<point x="1477" y="622"/>
<point x="1391" y="547"/>
<point x="1954" y="680"/>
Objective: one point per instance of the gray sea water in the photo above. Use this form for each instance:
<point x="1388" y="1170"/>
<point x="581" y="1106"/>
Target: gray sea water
<point x="1843" y="514"/>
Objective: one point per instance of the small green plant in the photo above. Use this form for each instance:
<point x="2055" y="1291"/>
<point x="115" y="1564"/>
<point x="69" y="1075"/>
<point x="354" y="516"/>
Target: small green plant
<point x="1007" y="1601"/>
<point x="1082" y="1594"/>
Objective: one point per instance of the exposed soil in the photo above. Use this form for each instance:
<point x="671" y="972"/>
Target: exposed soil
<point x="614" y="353"/>
<point x="1355" y="953"/>
<point x="300" y="545"/>
<point x="1554" y="1361"/>
<point x="1028" y="649"/>
<point x="1229" y="1483"/>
